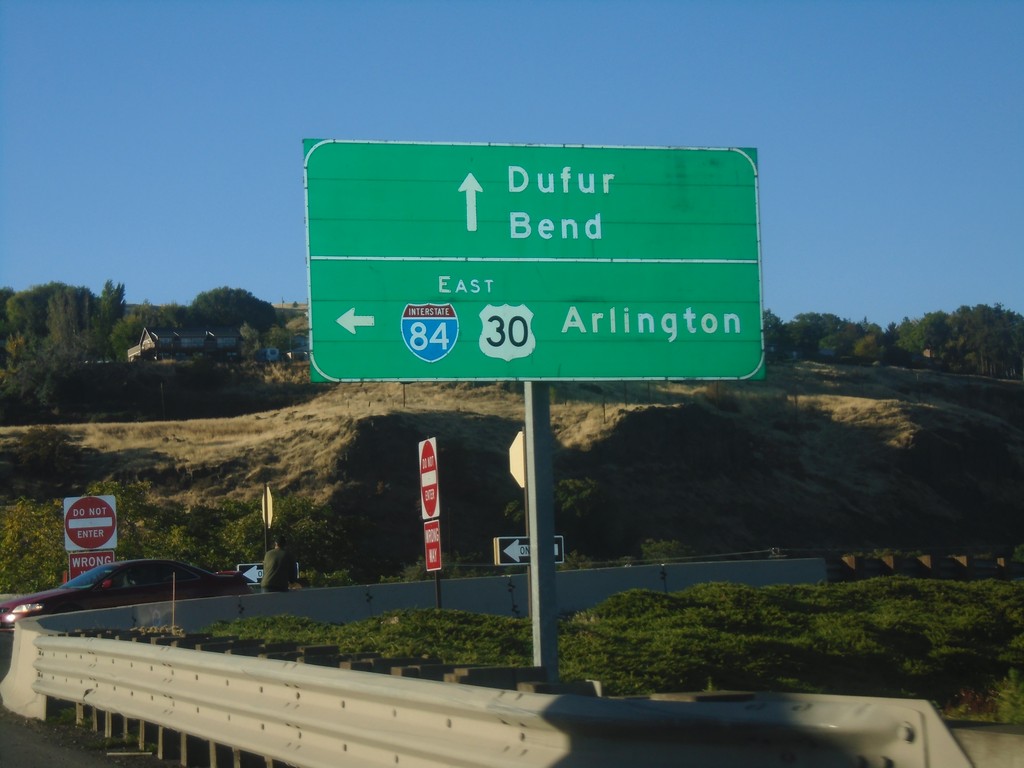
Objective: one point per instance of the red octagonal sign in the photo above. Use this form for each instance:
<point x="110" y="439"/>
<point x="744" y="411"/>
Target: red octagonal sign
<point x="430" y="503"/>
<point x="90" y="522"/>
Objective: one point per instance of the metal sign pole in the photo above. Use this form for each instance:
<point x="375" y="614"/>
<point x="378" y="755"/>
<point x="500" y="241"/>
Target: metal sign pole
<point x="540" y="514"/>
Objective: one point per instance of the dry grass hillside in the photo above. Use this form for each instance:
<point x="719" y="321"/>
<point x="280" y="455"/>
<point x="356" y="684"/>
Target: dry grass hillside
<point x="814" y="457"/>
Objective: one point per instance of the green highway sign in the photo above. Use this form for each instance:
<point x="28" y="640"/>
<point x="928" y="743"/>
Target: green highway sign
<point x="526" y="262"/>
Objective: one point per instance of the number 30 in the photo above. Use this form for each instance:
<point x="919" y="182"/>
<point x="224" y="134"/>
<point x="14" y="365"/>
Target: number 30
<point x="517" y="335"/>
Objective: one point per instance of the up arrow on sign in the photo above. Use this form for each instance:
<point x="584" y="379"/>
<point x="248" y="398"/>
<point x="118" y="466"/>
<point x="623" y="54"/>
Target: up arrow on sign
<point x="471" y="186"/>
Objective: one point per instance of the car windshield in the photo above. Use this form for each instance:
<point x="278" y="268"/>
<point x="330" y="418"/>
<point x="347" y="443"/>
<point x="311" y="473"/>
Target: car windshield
<point x="90" y="578"/>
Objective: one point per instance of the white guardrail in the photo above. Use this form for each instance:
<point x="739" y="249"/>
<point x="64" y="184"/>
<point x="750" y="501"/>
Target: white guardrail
<point x="316" y="717"/>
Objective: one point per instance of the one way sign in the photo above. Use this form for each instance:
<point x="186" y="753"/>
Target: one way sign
<point x="515" y="550"/>
<point x="253" y="572"/>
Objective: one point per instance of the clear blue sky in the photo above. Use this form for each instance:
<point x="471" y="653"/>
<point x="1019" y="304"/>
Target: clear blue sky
<point x="158" y="144"/>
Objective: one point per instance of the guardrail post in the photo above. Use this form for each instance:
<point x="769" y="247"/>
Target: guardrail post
<point x="167" y="746"/>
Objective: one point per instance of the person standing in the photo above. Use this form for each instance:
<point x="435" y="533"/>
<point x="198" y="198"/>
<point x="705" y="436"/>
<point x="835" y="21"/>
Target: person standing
<point x="279" y="567"/>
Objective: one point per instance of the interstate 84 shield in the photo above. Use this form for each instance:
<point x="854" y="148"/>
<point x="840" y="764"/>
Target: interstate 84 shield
<point x="430" y="330"/>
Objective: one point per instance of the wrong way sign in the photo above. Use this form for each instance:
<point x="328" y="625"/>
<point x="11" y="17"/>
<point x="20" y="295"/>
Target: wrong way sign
<point x="80" y="562"/>
<point x="432" y="545"/>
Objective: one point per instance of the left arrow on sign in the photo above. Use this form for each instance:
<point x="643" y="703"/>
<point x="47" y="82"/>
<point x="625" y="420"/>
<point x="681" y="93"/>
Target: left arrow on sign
<point x="254" y="574"/>
<point x="471" y="187"/>
<point x="515" y="550"/>
<point x="350" y="320"/>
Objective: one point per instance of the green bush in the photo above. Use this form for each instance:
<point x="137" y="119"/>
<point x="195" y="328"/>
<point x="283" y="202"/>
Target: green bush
<point x="956" y="644"/>
<point x="1009" y="696"/>
<point x="32" y="536"/>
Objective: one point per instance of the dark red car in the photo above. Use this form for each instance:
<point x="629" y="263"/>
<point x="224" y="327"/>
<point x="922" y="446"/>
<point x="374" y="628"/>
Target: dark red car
<point x="124" y="583"/>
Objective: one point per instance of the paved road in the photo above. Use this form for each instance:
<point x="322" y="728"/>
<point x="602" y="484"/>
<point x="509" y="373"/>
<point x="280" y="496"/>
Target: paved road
<point x="30" y="743"/>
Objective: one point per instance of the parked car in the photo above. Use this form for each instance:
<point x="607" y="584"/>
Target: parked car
<point x="124" y="583"/>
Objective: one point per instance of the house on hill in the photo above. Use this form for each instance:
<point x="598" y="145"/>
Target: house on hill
<point x="186" y="343"/>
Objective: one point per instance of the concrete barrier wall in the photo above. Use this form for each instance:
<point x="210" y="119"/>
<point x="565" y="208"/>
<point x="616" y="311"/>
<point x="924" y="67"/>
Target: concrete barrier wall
<point x="498" y="595"/>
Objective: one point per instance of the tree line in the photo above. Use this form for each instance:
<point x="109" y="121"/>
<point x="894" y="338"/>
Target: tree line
<point x="981" y="340"/>
<point x="49" y="331"/>
<point x="57" y="318"/>
<point x="56" y="327"/>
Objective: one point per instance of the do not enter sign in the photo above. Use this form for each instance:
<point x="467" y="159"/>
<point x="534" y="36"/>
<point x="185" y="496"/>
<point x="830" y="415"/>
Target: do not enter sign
<point x="90" y="522"/>
<point x="430" y="502"/>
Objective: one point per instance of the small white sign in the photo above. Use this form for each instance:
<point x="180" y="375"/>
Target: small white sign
<point x="507" y="332"/>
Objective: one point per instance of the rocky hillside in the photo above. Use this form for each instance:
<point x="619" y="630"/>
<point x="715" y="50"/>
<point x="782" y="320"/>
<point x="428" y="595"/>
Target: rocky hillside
<point x="814" y="457"/>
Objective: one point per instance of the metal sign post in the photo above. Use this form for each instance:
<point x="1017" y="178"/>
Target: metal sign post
<point x="541" y="527"/>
